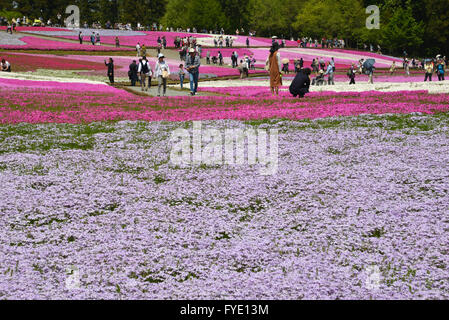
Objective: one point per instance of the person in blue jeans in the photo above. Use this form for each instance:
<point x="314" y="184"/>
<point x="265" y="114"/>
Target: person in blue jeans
<point x="192" y="66"/>
<point x="182" y="74"/>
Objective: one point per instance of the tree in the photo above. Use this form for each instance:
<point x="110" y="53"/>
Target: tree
<point x="402" y="31"/>
<point x="330" y="18"/>
<point x="267" y="18"/>
<point x="436" y="38"/>
<point x="172" y="16"/>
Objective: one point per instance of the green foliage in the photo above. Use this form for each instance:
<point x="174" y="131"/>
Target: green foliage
<point x="330" y="18"/>
<point x="419" y="26"/>
<point x="402" y="31"/>
<point x="10" y="14"/>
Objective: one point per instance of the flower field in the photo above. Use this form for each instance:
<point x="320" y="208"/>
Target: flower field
<point x="149" y="38"/>
<point x="41" y="102"/>
<point x="103" y="198"/>
<point x="92" y="205"/>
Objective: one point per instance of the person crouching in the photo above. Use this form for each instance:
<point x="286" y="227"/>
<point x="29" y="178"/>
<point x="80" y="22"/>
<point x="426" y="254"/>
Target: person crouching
<point x="301" y="83"/>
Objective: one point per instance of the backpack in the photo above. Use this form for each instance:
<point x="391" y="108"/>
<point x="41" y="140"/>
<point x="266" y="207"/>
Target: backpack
<point x="145" y="68"/>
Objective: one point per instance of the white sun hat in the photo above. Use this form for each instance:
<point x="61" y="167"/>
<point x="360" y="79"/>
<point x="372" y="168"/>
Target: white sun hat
<point x="160" y="55"/>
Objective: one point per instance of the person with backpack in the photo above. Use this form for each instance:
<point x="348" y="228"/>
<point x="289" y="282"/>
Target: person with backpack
<point x="132" y="73"/>
<point x="162" y="72"/>
<point x="145" y="73"/>
<point x="110" y="66"/>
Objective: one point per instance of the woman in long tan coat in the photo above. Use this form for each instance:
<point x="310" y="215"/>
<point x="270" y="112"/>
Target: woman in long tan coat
<point x="274" y="68"/>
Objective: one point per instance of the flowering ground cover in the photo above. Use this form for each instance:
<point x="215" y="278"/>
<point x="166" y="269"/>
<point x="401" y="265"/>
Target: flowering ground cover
<point x="63" y="102"/>
<point x="378" y="77"/>
<point x="149" y="38"/>
<point x="351" y="195"/>
<point x="21" y="42"/>
<point x="32" y="62"/>
<point x="122" y="63"/>
<point x="343" y="58"/>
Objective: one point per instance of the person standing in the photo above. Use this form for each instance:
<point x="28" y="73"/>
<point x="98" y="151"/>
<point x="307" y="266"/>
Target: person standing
<point x="429" y="70"/>
<point x="133" y="70"/>
<point x="143" y="51"/>
<point x="330" y="73"/>
<point x="208" y="57"/>
<point x="138" y="49"/>
<point x="92" y="38"/>
<point x="110" y="66"/>
<point x="98" y="39"/>
<point x="192" y="66"/>
<point x="80" y="37"/>
<point x="332" y="62"/>
<point x="145" y="74"/>
<point x="220" y="58"/>
<point x="351" y="74"/>
<point x="247" y="42"/>
<point x="117" y="42"/>
<point x="407" y="67"/>
<point x="440" y="70"/>
<point x="392" y="68"/>
<point x="370" y="71"/>
<point x="161" y="72"/>
<point x="182" y="74"/>
<point x="274" y="68"/>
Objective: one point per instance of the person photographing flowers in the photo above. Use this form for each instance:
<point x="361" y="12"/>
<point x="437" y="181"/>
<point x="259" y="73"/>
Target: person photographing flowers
<point x="162" y="72"/>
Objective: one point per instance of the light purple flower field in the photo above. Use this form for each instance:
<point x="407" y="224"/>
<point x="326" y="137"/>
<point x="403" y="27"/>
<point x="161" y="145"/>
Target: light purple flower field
<point x="350" y="195"/>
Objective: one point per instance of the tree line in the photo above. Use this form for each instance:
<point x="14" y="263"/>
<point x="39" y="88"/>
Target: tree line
<point x="421" y="27"/>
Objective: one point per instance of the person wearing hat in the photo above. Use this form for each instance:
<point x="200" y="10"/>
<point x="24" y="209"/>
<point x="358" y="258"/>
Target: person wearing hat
<point x="192" y="66"/>
<point x="162" y="72"/>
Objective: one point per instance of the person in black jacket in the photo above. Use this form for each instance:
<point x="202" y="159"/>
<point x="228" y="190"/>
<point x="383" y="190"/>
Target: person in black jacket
<point x="301" y="83"/>
<point x="110" y="66"/>
<point x="133" y="67"/>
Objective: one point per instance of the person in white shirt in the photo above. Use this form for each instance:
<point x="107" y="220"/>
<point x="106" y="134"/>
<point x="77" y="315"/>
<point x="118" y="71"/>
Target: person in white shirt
<point x="145" y="73"/>
<point x="161" y="72"/>
<point x="138" y="49"/>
